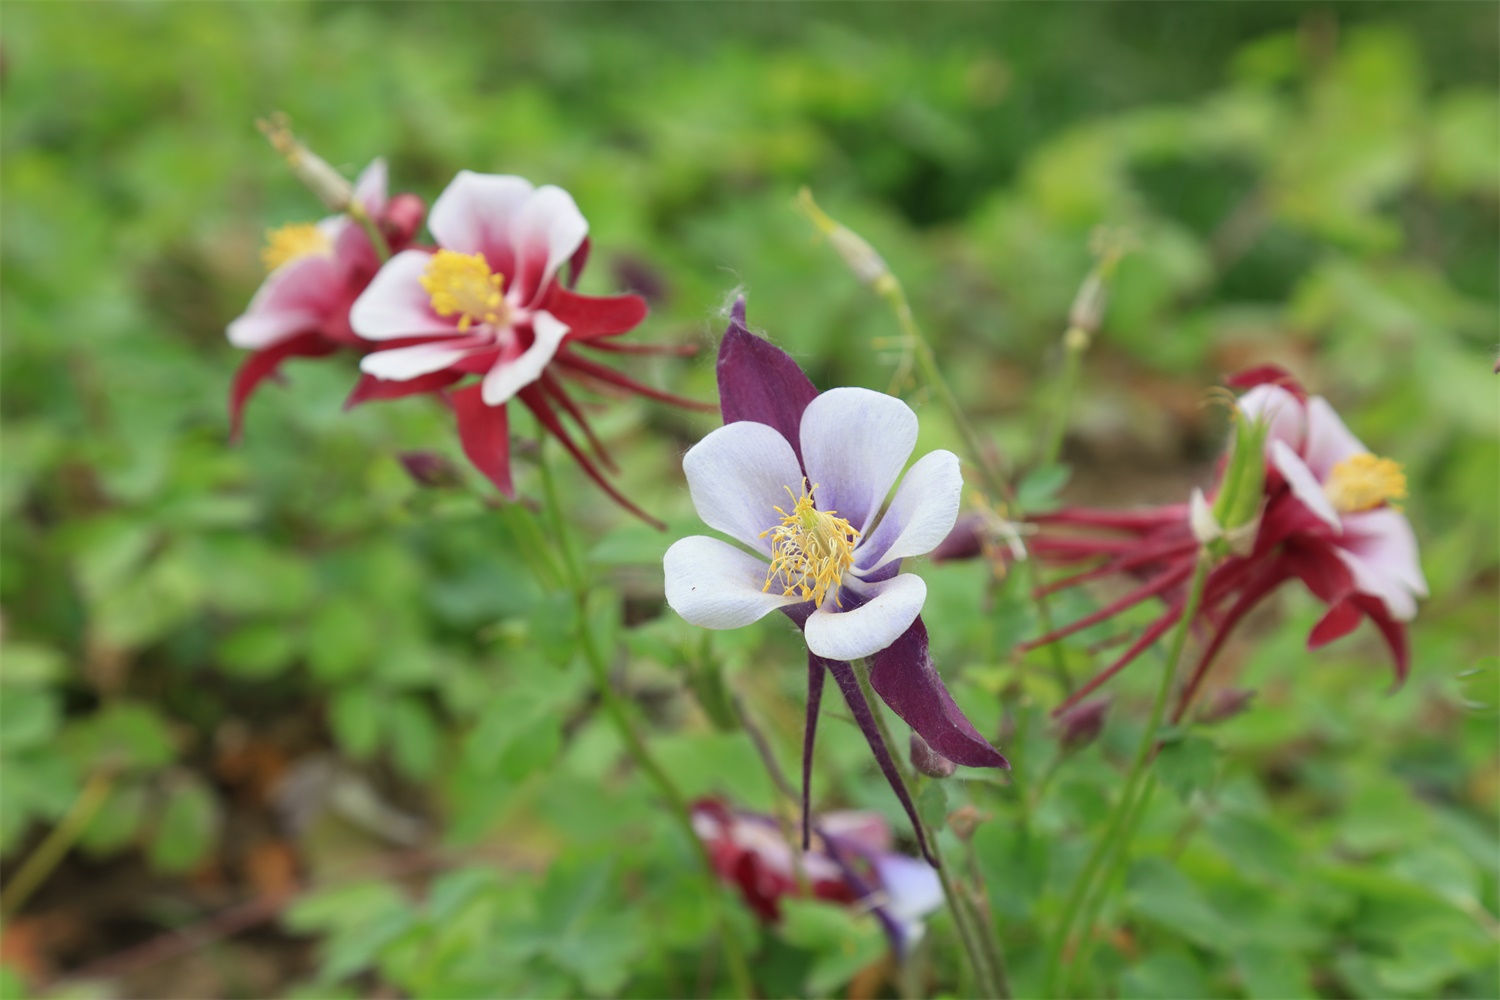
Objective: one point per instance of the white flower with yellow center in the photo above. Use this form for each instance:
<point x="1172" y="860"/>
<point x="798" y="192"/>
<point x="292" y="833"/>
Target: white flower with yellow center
<point x="814" y="529"/>
<point x="1342" y="484"/>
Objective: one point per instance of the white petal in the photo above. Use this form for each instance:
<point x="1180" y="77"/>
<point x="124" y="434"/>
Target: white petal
<point x="548" y="229"/>
<point x="712" y="584"/>
<point x="396" y="305"/>
<point x="404" y="363"/>
<point x="737" y="475"/>
<point x="296" y="297"/>
<point x="507" y="378"/>
<point x="1305" y="486"/>
<point x="863" y="631"/>
<point x="1329" y="441"/>
<point x="476" y="213"/>
<point x="921" y="515"/>
<point x="370" y="188"/>
<point x="1380" y="549"/>
<point x="855" y="442"/>
<point x="1282" y="412"/>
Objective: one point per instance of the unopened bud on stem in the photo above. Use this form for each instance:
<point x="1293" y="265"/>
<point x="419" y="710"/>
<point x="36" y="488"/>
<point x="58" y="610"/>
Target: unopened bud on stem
<point x="866" y="263"/>
<point x="330" y="186"/>
<point x="929" y="761"/>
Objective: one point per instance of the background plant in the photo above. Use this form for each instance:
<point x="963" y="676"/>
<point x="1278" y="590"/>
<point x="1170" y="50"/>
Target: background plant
<point x="188" y="625"/>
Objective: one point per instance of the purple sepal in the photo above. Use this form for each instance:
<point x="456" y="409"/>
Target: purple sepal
<point x="843" y="675"/>
<point x="817" y="668"/>
<point x="903" y="675"/>
<point x="760" y="382"/>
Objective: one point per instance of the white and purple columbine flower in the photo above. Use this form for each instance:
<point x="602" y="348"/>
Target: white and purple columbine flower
<point x="799" y="479"/>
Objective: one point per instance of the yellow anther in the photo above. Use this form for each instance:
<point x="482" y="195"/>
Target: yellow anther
<point x="810" y="549"/>
<point x="293" y="242"/>
<point x="462" y="284"/>
<point x="1363" y="482"/>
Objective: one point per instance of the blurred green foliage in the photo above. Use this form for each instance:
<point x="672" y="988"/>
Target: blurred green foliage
<point x="1310" y="185"/>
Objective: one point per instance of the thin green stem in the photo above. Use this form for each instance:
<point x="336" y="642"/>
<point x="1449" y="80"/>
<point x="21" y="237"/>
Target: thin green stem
<point x="635" y="744"/>
<point x="973" y="937"/>
<point x="1114" y="835"/>
<point x="50" y="852"/>
<point x="1075" y="342"/>
<point x="372" y="230"/>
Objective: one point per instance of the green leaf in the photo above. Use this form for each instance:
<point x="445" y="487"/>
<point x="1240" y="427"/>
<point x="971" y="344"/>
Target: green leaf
<point x="188" y="825"/>
<point x="1169" y="974"/>
<point x="28" y="717"/>
<point x="1272" y="974"/>
<point x="356" y="714"/>
<point x="1037" y="492"/>
<point x="414" y="737"/>
<point x="932" y="804"/>
<point x="1187" y="765"/>
<point x="1164" y="895"/>
<point x="842" y="941"/>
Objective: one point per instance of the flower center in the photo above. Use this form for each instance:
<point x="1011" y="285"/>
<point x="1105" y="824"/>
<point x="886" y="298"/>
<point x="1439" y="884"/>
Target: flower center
<point x="462" y="284"/>
<point x="293" y="242"/>
<point x="810" y="549"/>
<point x="1362" y="482"/>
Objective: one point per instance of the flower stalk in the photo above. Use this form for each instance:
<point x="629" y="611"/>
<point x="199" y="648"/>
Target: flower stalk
<point x="978" y="945"/>
<point x="635" y="743"/>
<point x="1113" y="845"/>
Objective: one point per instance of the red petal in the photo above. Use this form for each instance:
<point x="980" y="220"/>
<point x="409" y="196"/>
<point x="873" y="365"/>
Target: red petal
<point x="1268" y="375"/>
<point x="608" y="375"/>
<point x="369" y="387"/>
<point x="262" y="364"/>
<point x="484" y="432"/>
<point x="1392" y="631"/>
<point x="1340" y="620"/>
<point x="588" y="316"/>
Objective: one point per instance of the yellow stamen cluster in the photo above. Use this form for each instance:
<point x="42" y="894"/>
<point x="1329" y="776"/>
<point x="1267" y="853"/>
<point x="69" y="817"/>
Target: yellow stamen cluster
<point x="1363" y="482"/>
<point x="293" y="242"/>
<point x="810" y="549"/>
<point x="463" y="284"/>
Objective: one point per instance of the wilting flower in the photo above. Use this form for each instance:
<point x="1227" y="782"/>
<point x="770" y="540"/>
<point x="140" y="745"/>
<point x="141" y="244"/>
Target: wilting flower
<point x="487" y="301"/>
<point x="849" y="861"/>
<point x="799" y="478"/>
<point x="315" y="272"/>
<point x="1326" y="518"/>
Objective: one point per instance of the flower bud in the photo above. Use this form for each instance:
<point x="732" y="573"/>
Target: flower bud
<point x="1223" y="704"/>
<point x="403" y="217"/>
<point x="430" y="469"/>
<point x="964" y="820"/>
<point x="1236" y="510"/>
<point x="965" y="541"/>
<point x="330" y="186"/>
<point x="1082" y="724"/>
<point x="929" y="761"/>
<point x="866" y="263"/>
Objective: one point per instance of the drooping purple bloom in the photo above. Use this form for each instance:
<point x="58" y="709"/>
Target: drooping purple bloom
<point x="800" y="478"/>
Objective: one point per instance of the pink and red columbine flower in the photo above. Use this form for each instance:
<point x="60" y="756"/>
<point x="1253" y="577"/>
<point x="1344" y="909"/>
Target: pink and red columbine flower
<point x="1326" y="519"/>
<point x="849" y="861"/>
<point x="486" y="306"/>
<point x="317" y="270"/>
<point x="801" y="480"/>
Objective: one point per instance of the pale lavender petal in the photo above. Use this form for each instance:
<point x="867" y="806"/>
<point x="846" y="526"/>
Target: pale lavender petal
<point x="507" y="378"/>
<point x="548" y="229"/>
<point x="396" y="305"/>
<point x="738" y="475"/>
<point x="1282" y="412"/>
<point x="1329" y="441"/>
<point x="912" y="887"/>
<point x="1305" y="486"/>
<point x="476" y="213"/>
<point x="921" y="515"/>
<point x="866" y="830"/>
<point x="855" y="442"/>
<point x="863" y="631"/>
<point x="712" y="584"/>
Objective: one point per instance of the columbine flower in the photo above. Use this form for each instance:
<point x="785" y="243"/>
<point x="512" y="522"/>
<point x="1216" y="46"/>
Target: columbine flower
<point x="1326" y="519"/>
<point x="487" y="302"/>
<point x="799" y="478"/>
<point x="315" y="272"/>
<point x="849" y="862"/>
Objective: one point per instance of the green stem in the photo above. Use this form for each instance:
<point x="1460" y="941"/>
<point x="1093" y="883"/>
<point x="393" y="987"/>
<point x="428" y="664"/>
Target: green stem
<point x="50" y="852"/>
<point x="635" y="744"/>
<point x="1075" y="342"/>
<point x="973" y="938"/>
<point x="372" y="230"/>
<point x="1115" y="835"/>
